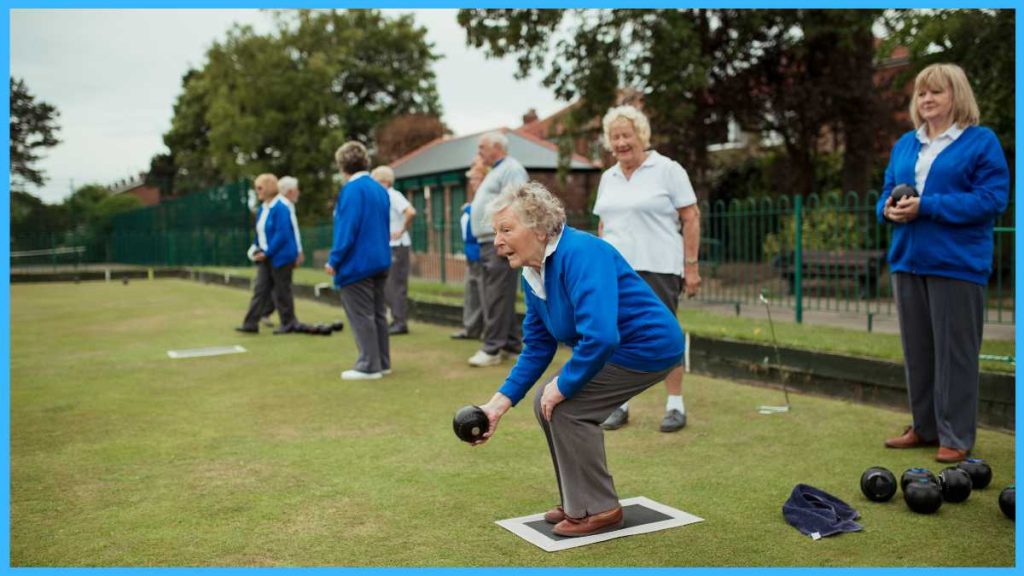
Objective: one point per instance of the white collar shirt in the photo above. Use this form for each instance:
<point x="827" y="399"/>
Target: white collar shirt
<point x="930" y="149"/>
<point x="535" y="278"/>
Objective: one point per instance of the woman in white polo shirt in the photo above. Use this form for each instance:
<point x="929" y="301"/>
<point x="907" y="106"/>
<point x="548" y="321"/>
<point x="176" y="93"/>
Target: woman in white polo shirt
<point x="649" y="213"/>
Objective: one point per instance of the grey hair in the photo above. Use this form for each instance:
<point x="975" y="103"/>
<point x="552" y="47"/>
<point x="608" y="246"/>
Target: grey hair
<point x="635" y="117"/>
<point x="352" y="157"/>
<point x="286" y="184"/>
<point x="536" y="207"/>
<point x="496" y="138"/>
<point x="383" y="174"/>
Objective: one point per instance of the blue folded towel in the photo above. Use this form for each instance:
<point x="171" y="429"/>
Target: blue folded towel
<point x="816" y="512"/>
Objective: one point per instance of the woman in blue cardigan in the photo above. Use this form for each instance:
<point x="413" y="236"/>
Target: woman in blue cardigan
<point x="579" y="292"/>
<point x="941" y="255"/>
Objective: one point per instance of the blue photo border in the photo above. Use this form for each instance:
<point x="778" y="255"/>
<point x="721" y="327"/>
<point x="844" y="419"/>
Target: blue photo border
<point x="5" y="296"/>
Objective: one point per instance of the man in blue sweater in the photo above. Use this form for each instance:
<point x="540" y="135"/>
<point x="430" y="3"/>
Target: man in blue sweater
<point x="359" y="260"/>
<point x="579" y="292"/>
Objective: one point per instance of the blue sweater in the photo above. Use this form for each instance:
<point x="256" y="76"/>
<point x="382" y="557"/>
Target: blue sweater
<point x="362" y="238"/>
<point x="967" y="187"/>
<point x="602" y="309"/>
<point x="470" y="244"/>
<point x="281" y="246"/>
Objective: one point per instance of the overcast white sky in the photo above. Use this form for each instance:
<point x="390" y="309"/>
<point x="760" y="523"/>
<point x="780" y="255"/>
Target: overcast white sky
<point x="114" y="75"/>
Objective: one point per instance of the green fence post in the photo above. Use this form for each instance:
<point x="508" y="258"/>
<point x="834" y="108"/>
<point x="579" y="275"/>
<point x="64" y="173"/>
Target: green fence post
<point x="798" y="256"/>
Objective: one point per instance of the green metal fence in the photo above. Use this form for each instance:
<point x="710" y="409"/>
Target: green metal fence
<point x="807" y="254"/>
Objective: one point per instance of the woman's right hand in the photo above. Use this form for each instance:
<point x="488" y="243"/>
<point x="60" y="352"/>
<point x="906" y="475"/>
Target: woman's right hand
<point x="495" y="409"/>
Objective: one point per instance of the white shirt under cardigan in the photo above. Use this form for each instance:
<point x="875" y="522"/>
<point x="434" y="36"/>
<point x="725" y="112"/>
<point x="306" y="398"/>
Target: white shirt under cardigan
<point x="397" y="215"/>
<point x="930" y="149"/>
<point x="295" y="220"/>
<point x="640" y="216"/>
<point x="536" y="279"/>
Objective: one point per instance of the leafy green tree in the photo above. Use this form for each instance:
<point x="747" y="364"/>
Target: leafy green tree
<point x="33" y="129"/>
<point x="981" y="42"/>
<point x="797" y="74"/>
<point x="283" y="102"/>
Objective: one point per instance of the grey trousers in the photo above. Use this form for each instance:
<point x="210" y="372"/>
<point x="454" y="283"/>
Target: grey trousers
<point x="396" y="292"/>
<point x="576" y="440"/>
<point x="273" y="288"/>
<point x="472" y="305"/>
<point x="368" y="317"/>
<point x="941" y="321"/>
<point x="500" y="281"/>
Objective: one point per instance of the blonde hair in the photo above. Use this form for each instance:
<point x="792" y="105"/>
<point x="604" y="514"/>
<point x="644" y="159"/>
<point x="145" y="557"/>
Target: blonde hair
<point x="536" y="207"/>
<point x="269" y="183"/>
<point x="635" y="117"/>
<point x="383" y="174"/>
<point x="941" y="77"/>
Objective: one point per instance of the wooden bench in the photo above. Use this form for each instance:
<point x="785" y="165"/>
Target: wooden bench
<point x="862" y="266"/>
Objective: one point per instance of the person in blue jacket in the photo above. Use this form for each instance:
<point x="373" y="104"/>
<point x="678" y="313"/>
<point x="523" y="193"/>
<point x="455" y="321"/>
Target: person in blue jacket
<point x="941" y="255"/>
<point x="360" y="258"/>
<point x="275" y="251"/>
<point x="579" y="292"/>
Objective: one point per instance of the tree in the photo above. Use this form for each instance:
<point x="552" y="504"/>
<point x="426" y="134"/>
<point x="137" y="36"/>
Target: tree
<point x="980" y="41"/>
<point x="784" y="72"/>
<point x="284" y="102"/>
<point x="33" y="129"/>
<point x="405" y="133"/>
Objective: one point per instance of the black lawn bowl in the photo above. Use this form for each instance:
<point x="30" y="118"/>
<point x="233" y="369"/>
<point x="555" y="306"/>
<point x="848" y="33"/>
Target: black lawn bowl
<point x="878" y="484"/>
<point x="902" y="191"/>
<point x="955" y="484"/>
<point x="922" y="496"/>
<point x="323" y="330"/>
<point x="470" y="423"/>
<point x="1008" y="502"/>
<point x="981" y="472"/>
<point x="338" y="326"/>
<point x="911" y="474"/>
<point x="124" y="281"/>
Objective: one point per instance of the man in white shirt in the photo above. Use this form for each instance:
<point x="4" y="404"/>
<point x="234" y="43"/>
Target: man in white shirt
<point x="288" y="194"/>
<point x="396" y="291"/>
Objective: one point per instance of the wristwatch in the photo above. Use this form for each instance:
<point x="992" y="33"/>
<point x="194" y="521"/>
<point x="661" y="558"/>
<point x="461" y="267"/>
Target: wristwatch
<point x="689" y="261"/>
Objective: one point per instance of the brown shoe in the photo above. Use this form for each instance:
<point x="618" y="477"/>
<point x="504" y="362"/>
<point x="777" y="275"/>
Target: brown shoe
<point x="950" y="455"/>
<point x="909" y="439"/>
<point x="593" y="524"/>
<point x="555" y="515"/>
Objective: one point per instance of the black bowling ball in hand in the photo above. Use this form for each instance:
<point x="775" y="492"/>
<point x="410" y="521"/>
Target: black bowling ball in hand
<point x="902" y="191"/>
<point x="470" y="423"/>
<point x="1008" y="502"/>
<point x="878" y="484"/>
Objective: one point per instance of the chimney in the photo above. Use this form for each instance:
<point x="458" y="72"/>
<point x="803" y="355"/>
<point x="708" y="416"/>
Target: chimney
<point x="530" y="117"/>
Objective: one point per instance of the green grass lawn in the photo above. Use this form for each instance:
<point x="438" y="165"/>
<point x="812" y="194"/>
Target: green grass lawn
<point x="710" y="324"/>
<point x="121" y="456"/>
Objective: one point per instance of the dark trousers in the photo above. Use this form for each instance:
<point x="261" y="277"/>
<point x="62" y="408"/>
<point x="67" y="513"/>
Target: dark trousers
<point x="576" y="440"/>
<point x="500" y="281"/>
<point x="941" y="321"/>
<point x="397" y="289"/>
<point x="472" y="305"/>
<point x="368" y="316"/>
<point x="273" y="288"/>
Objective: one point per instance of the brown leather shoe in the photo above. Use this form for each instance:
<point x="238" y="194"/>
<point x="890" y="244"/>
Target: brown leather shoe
<point x="593" y="524"/>
<point x="950" y="455"/>
<point x="909" y="439"/>
<point x="555" y="515"/>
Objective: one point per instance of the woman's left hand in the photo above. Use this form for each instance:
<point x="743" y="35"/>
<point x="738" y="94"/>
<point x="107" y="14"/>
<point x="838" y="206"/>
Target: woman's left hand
<point x="905" y="210"/>
<point x="551" y="397"/>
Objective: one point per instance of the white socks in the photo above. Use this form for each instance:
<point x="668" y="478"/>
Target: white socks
<point x="675" y="403"/>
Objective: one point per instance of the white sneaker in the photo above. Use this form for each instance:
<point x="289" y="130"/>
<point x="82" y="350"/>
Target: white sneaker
<point x="386" y="372"/>
<point x="357" y="375"/>
<point x="481" y="359"/>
